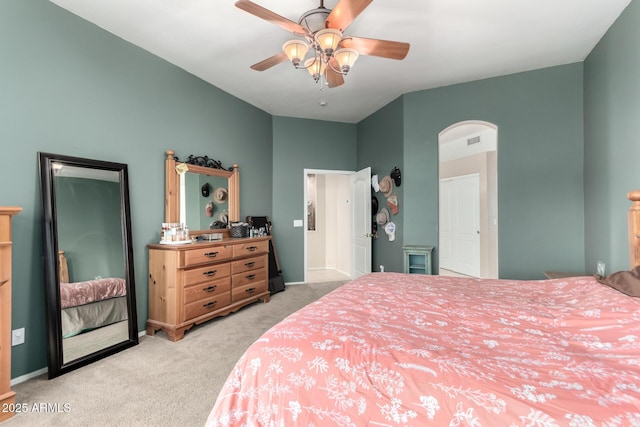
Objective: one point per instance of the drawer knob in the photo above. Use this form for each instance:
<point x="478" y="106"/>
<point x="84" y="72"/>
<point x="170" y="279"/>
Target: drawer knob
<point x="210" y="273"/>
<point x="249" y="290"/>
<point x="251" y="276"/>
<point x="210" y="288"/>
<point x="249" y="264"/>
<point x="210" y="304"/>
<point x="252" y="248"/>
<point x="211" y="254"/>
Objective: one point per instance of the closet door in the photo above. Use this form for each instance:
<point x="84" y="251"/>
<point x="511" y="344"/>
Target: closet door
<point x="460" y="224"/>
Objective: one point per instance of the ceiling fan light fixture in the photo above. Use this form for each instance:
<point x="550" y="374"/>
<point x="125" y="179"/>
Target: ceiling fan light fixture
<point x="328" y="40"/>
<point x="295" y="51"/>
<point x="346" y="58"/>
<point x="315" y="67"/>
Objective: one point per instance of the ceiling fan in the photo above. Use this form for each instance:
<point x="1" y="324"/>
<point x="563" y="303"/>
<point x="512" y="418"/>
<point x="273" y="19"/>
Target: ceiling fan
<point x="332" y="54"/>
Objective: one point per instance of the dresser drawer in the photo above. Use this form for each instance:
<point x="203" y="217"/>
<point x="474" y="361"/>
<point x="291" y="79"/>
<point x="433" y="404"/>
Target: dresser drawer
<point x="205" y="306"/>
<point x="249" y="277"/>
<point x="245" y="291"/>
<point x="250" y="248"/>
<point x="206" y="290"/>
<point x="208" y="254"/>
<point x="206" y="273"/>
<point x="248" y="264"/>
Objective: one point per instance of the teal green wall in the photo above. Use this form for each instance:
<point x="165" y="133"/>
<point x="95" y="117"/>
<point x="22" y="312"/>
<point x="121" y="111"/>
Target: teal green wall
<point x="381" y="146"/>
<point x="89" y="226"/>
<point x="69" y="87"/>
<point x="612" y="146"/>
<point x="300" y="144"/>
<point x="540" y="160"/>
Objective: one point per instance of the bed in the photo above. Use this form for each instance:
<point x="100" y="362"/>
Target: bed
<point x="90" y="304"/>
<point x="390" y="349"/>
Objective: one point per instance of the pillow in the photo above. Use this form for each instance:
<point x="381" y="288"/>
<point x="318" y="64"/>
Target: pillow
<point x="627" y="282"/>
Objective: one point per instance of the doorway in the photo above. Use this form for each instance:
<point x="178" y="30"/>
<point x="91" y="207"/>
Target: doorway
<point x="468" y="200"/>
<point x="328" y="226"/>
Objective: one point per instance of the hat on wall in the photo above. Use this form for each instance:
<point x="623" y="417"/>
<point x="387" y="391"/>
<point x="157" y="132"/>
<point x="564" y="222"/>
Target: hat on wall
<point x="205" y="189"/>
<point x="383" y="216"/>
<point x="390" y="229"/>
<point x="396" y="176"/>
<point x="392" y="203"/>
<point x="374" y="205"/>
<point x="223" y="217"/>
<point x="386" y="186"/>
<point x="374" y="183"/>
<point x="209" y="209"/>
<point x="220" y="195"/>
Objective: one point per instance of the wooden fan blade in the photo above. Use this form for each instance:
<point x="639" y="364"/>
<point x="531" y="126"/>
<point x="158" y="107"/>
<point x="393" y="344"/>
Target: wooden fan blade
<point x="270" y="62"/>
<point x="374" y="47"/>
<point x="334" y="79"/>
<point x="345" y="12"/>
<point x="267" y="15"/>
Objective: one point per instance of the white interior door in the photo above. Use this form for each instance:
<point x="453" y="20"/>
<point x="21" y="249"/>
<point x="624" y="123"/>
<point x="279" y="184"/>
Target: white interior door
<point x="468" y="227"/>
<point x="460" y="224"/>
<point x="361" y="229"/>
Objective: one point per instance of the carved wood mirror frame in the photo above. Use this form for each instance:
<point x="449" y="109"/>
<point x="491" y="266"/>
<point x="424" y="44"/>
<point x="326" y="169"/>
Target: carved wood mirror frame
<point x="201" y="166"/>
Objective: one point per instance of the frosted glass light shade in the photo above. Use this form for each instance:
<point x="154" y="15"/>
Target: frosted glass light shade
<point x="346" y="58"/>
<point x="328" y="39"/>
<point x="295" y="51"/>
<point x="315" y="66"/>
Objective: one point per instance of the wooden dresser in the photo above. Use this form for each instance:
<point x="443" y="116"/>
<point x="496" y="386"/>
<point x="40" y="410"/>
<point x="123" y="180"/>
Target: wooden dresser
<point x="190" y="284"/>
<point x="7" y="397"/>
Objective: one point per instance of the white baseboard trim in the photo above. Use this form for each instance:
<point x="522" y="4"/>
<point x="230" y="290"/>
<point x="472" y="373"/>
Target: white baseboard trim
<point x="28" y="376"/>
<point x="39" y="372"/>
<point x="294" y="283"/>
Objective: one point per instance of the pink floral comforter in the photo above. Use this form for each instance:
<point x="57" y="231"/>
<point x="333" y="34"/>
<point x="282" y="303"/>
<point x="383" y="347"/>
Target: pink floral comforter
<point x="391" y="349"/>
<point x="80" y="293"/>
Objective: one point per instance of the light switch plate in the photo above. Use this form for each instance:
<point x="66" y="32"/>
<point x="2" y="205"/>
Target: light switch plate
<point x="297" y="223"/>
<point x="17" y="336"/>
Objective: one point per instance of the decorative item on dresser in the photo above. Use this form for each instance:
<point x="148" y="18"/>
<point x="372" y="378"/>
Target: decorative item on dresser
<point x="7" y="397"/>
<point x="190" y="284"/>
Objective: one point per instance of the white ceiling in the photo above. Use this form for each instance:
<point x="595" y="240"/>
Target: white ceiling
<point x="452" y="41"/>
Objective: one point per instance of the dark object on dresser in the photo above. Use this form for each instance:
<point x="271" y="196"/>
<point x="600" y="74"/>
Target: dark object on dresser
<point x="276" y="281"/>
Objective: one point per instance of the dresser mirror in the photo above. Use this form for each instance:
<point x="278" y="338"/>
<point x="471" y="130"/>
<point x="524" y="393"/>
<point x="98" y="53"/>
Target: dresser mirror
<point x="201" y="193"/>
<point x="88" y="260"/>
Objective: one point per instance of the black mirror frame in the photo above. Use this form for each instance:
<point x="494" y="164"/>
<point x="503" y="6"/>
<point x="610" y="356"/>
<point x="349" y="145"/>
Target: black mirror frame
<point x="56" y="366"/>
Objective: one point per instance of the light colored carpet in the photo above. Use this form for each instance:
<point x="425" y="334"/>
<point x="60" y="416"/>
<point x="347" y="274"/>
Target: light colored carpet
<point x="158" y="382"/>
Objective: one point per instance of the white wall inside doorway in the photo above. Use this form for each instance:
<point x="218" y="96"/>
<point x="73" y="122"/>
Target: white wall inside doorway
<point x="328" y="247"/>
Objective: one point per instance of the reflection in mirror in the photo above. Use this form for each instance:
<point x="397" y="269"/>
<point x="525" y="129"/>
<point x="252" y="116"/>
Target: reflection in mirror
<point x="201" y="193"/>
<point x="88" y="260"/>
<point x="204" y="201"/>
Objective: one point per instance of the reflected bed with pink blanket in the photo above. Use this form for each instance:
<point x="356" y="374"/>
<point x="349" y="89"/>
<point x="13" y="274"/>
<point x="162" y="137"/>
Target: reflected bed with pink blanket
<point x="80" y="293"/>
<point x="91" y="304"/>
<point x="392" y="349"/>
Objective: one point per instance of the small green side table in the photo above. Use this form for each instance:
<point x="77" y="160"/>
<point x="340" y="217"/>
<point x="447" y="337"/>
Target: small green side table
<point x="417" y="259"/>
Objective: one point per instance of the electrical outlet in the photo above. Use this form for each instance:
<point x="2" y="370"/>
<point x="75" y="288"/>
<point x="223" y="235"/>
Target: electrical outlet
<point x="17" y="337"/>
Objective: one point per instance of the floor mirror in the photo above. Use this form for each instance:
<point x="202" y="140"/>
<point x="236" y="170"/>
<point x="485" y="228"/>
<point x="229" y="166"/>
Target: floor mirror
<point x="88" y="260"/>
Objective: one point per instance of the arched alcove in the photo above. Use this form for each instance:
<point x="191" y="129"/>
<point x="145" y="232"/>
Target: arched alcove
<point x="468" y="199"/>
